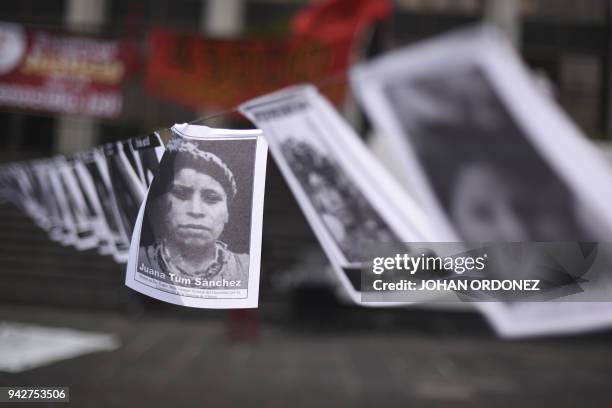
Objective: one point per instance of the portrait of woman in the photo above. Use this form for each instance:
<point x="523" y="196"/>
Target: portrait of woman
<point x="488" y="177"/>
<point x="184" y="240"/>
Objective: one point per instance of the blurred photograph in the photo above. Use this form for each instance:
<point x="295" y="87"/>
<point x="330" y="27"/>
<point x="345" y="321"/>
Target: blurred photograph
<point x="432" y="226"/>
<point x="342" y="215"/>
<point x="352" y="203"/>
<point x="488" y="177"/>
<point x="68" y="233"/>
<point x="127" y="186"/>
<point x="118" y="244"/>
<point x="147" y="152"/>
<point x="35" y="196"/>
<point x="496" y="161"/>
<point x="188" y="210"/>
<point x="85" y="236"/>
<point x="344" y="210"/>
<point x="52" y="212"/>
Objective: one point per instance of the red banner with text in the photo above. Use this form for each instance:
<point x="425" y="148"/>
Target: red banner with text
<point x="44" y="71"/>
<point x="201" y="73"/>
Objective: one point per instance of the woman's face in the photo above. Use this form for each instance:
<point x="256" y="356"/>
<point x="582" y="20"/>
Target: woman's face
<point x="196" y="209"/>
<point x="482" y="207"/>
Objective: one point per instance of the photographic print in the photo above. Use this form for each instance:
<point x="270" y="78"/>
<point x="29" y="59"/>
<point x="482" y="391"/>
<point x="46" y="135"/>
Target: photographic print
<point x="82" y="212"/>
<point x="147" y="152"/>
<point x="127" y="186"/>
<point x="118" y="241"/>
<point x="486" y="174"/>
<point x="50" y="204"/>
<point x="68" y="234"/>
<point x="91" y="201"/>
<point x="347" y="197"/>
<point x="33" y="195"/>
<point x="494" y="160"/>
<point x="198" y="237"/>
<point x="345" y="212"/>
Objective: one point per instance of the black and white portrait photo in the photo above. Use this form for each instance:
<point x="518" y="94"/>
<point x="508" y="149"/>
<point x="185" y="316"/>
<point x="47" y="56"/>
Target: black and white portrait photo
<point x="197" y="241"/>
<point x="197" y="222"/>
<point x="116" y="243"/>
<point x="344" y="210"/>
<point x="486" y="174"/>
<point x="49" y="201"/>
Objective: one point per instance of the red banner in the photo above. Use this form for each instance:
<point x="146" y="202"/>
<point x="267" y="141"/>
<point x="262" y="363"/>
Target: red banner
<point x="216" y="74"/>
<point x="197" y="72"/>
<point x="332" y="19"/>
<point x="43" y="71"/>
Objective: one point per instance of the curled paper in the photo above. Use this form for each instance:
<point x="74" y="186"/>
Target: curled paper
<point x="197" y="238"/>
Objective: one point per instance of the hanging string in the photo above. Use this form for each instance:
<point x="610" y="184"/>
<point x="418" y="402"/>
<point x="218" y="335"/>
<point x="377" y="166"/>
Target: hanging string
<point x="340" y="78"/>
<point x="203" y="120"/>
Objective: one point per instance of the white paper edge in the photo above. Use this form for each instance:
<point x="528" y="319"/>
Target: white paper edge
<point x="252" y="300"/>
